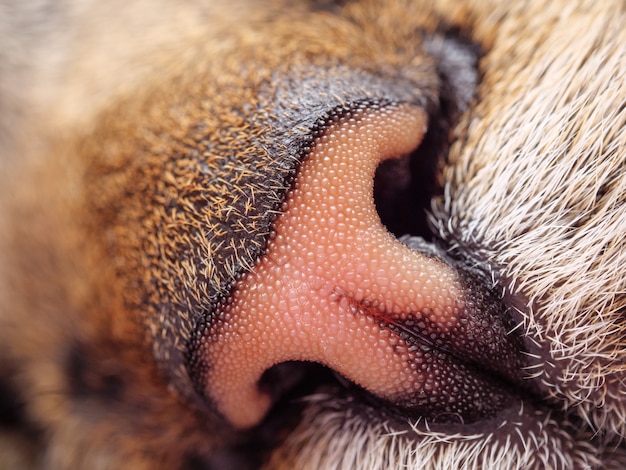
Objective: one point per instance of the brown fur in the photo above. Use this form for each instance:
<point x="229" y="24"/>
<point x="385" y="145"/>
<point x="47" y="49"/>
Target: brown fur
<point x="106" y="108"/>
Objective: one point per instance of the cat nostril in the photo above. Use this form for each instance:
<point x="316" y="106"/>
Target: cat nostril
<point x="404" y="187"/>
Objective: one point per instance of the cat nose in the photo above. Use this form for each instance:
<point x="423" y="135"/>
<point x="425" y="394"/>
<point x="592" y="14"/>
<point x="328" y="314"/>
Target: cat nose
<point x="330" y="275"/>
<point x="334" y="286"/>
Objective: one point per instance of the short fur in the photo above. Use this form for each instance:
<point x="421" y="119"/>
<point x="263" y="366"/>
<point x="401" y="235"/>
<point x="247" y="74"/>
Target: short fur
<point x="106" y="109"/>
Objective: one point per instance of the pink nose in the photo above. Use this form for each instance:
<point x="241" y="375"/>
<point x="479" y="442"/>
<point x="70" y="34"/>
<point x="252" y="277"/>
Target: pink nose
<point x="331" y="280"/>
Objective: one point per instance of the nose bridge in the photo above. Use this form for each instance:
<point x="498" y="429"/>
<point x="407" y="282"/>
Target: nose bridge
<point x="330" y="277"/>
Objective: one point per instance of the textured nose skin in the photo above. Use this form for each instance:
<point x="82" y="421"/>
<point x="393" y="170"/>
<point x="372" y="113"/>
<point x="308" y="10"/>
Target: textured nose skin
<point x="331" y="275"/>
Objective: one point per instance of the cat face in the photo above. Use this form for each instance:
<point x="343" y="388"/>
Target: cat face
<point x="356" y="234"/>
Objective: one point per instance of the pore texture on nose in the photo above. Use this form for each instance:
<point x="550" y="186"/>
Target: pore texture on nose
<point x="331" y="276"/>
